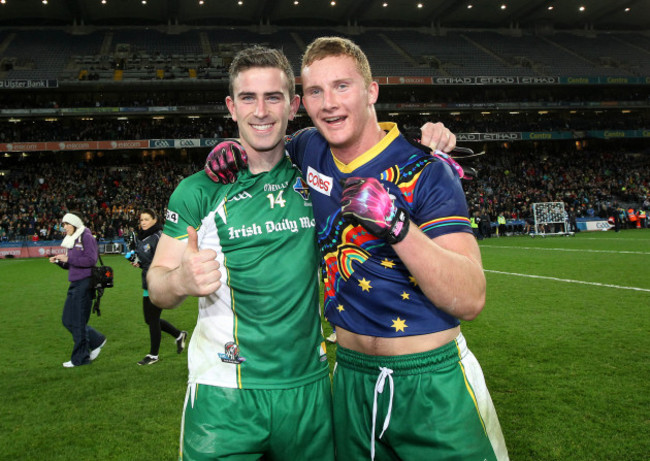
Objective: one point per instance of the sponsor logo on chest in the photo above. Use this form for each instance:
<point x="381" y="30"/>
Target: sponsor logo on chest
<point x="319" y="182"/>
<point x="268" y="227"/>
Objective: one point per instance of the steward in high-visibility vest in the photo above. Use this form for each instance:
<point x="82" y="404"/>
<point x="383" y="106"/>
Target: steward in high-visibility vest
<point x="501" y="225"/>
<point x="641" y="222"/>
<point x="474" y="224"/>
<point x="631" y="218"/>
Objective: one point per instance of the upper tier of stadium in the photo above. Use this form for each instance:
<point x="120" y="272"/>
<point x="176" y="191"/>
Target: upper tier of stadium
<point x="140" y="54"/>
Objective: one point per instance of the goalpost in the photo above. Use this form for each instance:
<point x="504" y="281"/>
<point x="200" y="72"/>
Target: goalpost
<point x="551" y="218"/>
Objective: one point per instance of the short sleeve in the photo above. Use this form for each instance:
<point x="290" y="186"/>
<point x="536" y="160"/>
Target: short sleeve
<point x="440" y="205"/>
<point x="182" y="210"/>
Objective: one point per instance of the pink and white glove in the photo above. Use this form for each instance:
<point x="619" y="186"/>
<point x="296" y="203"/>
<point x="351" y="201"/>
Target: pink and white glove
<point x="447" y="158"/>
<point x="225" y="161"/>
<point x="458" y="154"/>
<point x="366" y="202"/>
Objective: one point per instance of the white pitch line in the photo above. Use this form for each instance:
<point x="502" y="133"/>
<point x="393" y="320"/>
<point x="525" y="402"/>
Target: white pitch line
<point x="569" y="249"/>
<point x="616" y="239"/>
<point x="608" y="285"/>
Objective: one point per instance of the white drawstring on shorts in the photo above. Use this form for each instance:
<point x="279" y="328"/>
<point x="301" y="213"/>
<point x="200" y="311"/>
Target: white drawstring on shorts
<point x="379" y="388"/>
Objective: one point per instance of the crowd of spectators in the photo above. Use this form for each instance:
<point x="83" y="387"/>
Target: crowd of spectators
<point x="34" y="195"/>
<point x="591" y="183"/>
<point x="558" y="96"/>
<point x="113" y="129"/>
<point x="32" y="130"/>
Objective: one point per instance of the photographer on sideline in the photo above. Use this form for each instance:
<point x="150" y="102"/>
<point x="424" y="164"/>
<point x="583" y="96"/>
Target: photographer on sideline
<point x="80" y="257"/>
<point x="143" y="247"/>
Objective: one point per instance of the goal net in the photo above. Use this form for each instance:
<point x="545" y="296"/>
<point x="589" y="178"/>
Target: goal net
<point x="551" y="218"/>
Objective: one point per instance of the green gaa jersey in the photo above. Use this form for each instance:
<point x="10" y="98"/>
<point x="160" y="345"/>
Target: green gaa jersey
<point x="261" y="329"/>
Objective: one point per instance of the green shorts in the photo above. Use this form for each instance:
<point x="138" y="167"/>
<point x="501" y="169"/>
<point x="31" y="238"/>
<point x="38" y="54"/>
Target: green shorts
<point x="432" y="405"/>
<point x="252" y="424"/>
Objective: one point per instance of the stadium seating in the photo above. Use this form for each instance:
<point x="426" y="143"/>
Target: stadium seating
<point x="35" y="61"/>
<point x="392" y="52"/>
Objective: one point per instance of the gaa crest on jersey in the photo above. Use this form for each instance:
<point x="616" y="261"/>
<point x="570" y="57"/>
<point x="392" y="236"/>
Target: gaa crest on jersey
<point x="302" y="188"/>
<point x="241" y="196"/>
<point x="231" y="354"/>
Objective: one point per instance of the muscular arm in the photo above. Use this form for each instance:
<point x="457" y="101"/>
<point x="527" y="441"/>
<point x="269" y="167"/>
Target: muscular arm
<point x="448" y="269"/>
<point x="179" y="269"/>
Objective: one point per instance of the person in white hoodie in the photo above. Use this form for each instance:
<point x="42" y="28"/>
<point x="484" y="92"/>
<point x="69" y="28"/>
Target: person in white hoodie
<point x="79" y="258"/>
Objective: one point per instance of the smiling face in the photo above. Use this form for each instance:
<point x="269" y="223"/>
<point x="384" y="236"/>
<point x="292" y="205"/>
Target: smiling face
<point x="341" y="105"/>
<point x="261" y="106"/>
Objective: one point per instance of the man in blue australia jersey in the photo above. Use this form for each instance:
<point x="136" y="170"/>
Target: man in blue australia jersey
<point x="258" y="384"/>
<point x="401" y="269"/>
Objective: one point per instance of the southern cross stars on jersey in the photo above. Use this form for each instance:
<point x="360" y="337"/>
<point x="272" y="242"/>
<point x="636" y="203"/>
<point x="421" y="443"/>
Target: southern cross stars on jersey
<point x="261" y="329"/>
<point x="367" y="289"/>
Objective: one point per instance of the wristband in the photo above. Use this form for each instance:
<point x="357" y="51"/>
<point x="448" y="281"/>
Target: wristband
<point x="399" y="227"/>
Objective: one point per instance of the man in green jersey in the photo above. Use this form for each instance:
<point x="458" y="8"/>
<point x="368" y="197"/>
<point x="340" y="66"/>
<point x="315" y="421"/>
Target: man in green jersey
<point x="258" y="376"/>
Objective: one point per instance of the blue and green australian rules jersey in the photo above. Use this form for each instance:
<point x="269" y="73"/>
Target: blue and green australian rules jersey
<point x="368" y="290"/>
<point x="261" y="329"/>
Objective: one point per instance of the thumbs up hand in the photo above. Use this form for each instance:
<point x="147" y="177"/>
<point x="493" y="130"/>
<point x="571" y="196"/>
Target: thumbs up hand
<point x="200" y="272"/>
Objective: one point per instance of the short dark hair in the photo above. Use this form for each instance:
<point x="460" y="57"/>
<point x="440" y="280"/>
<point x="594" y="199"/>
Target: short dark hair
<point x="151" y="213"/>
<point x="261" y="56"/>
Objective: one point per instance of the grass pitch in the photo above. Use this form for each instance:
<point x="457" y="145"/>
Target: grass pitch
<point x="563" y="342"/>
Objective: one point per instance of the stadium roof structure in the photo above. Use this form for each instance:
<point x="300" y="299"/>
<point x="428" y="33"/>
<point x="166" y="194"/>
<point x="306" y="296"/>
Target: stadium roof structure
<point x="602" y="15"/>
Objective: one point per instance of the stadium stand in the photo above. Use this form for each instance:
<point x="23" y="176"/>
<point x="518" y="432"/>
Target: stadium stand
<point x="35" y="61"/>
<point x="598" y="55"/>
<point x="80" y="129"/>
<point x="146" y="72"/>
<point x="33" y="194"/>
<point x="398" y="52"/>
